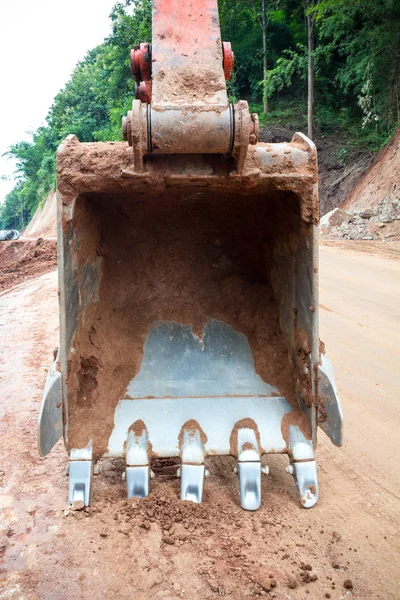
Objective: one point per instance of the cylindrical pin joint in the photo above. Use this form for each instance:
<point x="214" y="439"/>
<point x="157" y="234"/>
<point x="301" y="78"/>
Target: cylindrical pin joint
<point x="228" y="60"/>
<point x="141" y="61"/>
<point x="143" y="92"/>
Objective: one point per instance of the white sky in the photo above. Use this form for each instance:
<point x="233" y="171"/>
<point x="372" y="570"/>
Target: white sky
<point x="40" y="43"/>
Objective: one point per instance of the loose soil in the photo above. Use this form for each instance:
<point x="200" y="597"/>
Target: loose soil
<point x="43" y="222"/>
<point x="381" y="182"/>
<point x="180" y="261"/>
<point x="24" y="259"/>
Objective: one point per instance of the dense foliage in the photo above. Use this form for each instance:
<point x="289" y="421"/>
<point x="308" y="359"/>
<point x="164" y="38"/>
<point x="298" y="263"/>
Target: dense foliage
<point x="357" y="79"/>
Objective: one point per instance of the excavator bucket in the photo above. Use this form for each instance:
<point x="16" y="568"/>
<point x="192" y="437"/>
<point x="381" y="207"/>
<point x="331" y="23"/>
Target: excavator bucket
<point x="188" y="270"/>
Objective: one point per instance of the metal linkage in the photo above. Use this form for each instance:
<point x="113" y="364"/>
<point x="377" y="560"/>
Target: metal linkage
<point x="188" y="109"/>
<point x="141" y="70"/>
<point x="141" y="61"/>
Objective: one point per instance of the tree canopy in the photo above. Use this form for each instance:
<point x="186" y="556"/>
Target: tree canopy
<point x="357" y="78"/>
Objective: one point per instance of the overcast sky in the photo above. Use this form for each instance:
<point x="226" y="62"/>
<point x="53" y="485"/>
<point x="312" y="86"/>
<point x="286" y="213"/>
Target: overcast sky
<point x="40" y="43"/>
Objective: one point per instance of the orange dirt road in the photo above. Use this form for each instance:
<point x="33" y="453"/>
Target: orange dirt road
<point x="346" y="547"/>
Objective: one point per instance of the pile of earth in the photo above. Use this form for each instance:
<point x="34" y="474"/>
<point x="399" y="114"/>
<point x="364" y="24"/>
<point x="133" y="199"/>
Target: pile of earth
<point x="381" y="222"/>
<point x="372" y="210"/>
<point x="24" y="258"/>
<point x="44" y="221"/>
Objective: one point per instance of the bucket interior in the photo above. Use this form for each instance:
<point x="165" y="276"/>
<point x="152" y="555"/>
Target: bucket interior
<point x="181" y="293"/>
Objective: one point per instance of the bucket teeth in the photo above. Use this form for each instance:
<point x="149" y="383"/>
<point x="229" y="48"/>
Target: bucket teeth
<point x="80" y="481"/>
<point x="137" y="481"/>
<point x="137" y="473"/>
<point x="249" y="468"/>
<point x="306" y="479"/>
<point x="192" y="482"/>
<point x="80" y="475"/>
<point x="192" y="471"/>
<point x="303" y="467"/>
<point x="250" y="485"/>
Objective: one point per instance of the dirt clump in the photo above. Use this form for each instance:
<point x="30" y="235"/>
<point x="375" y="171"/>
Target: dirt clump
<point x="24" y="259"/>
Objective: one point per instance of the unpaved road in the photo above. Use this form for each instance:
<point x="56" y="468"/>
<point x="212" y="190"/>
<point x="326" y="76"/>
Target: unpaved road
<point x="163" y="549"/>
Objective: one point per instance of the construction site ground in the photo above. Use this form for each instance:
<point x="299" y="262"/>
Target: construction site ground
<point x="347" y="546"/>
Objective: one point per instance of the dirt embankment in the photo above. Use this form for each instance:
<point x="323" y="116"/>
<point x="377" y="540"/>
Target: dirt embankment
<point x="35" y="252"/>
<point x="371" y="211"/>
<point x="44" y="221"/>
<point x="24" y="259"/>
<point x="381" y="181"/>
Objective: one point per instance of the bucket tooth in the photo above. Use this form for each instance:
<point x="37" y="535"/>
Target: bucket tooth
<point x="137" y="473"/>
<point x="137" y="481"/>
<point x="249" y="469"/>
<point x="303" y="467"/>
<point x="192" y="482"/>
<point x="250" y="485"/>
<point x="306" y="479"/>
<point x="80" y="475"/>
<point x="192" y="470"/>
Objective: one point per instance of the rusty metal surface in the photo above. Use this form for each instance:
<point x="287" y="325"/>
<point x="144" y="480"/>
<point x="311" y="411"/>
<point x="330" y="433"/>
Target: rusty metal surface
<point x="228" y="59"/>
<point x="191" y="132"/>
<point x="182" y="75"/>
<point x="92" y="167"/>
<point x="187" y="54"/>
<point x="141" y="61"/>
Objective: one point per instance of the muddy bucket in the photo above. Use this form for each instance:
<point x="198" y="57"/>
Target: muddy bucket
<point x="189" y="316"/>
